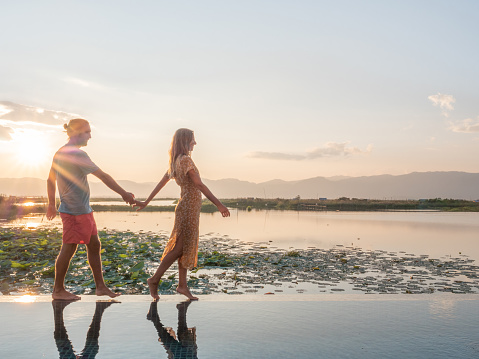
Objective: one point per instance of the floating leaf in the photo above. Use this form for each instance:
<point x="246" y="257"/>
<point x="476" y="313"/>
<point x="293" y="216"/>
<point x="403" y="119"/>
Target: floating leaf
<point x="138" y="266"/>
<point x="90" y="282"/>
<point x="18" y="265"/>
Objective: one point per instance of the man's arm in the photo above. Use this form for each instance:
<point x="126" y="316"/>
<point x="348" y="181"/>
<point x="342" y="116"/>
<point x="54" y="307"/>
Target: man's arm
<point x="111" y="183"/>
<point x="51" y="189"/>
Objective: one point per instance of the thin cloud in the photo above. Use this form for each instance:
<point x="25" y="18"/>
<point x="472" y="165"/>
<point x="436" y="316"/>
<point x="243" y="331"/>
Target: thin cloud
<point x="465" y="126"/>
<point x="445" y="102"/>
<point x="330" y="149"/>
<point x="87" y="84"/>
<point x="13" y="112"/>
<point x="4" y="109"/>
<point x="5" y="133"/>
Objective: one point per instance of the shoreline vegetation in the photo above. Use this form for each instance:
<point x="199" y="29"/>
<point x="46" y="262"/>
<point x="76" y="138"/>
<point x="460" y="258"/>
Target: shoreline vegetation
<point x="12" y="207"/>
<point x="225" y="265"/>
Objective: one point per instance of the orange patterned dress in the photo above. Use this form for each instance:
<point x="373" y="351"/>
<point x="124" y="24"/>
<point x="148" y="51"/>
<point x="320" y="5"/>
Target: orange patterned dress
<point x="187" y="215"/>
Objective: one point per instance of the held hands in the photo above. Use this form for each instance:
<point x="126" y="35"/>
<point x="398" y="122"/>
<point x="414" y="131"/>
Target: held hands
<point x="139" y="204"/>
<point x="129" y="198"/>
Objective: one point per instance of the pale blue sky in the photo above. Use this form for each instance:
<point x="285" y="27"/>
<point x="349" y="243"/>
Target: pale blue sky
<point x="273" y="89"/>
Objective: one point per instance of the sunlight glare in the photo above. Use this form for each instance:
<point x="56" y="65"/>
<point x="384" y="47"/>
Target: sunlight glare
<point x="32" y="225"/>
<point x="31" y="149"/>
<point x="27" y="298"/>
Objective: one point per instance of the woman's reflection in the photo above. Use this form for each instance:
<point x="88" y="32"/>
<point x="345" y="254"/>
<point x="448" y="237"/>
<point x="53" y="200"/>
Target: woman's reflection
<point x="185" y="345"/>
<point x="64" y="345"/>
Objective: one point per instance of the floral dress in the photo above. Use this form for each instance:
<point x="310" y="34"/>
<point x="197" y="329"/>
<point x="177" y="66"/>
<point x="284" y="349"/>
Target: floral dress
<point x="187" y="215"/>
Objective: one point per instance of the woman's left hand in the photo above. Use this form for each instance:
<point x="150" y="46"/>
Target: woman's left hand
<point x="224" y="211"/>
<point x="139" y="204"/>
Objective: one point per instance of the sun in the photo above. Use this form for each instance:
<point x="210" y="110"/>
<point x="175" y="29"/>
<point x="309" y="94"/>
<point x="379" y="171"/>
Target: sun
<point x="31" y="149"/>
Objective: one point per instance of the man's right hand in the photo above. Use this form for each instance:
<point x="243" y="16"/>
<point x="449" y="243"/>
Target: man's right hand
<point x="51" y="211"/>
<point x="129" y="198"/>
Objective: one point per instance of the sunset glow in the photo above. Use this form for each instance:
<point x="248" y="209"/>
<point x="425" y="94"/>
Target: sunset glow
<point x="27" y="298"/>
<point x="31" y="149"/>
<point x="347" y="88"/>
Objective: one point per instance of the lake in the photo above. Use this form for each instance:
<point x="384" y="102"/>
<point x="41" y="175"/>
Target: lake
<point x="437" y="234"/>
<point x="440" y="325"/>
<point x="332" y="326"/>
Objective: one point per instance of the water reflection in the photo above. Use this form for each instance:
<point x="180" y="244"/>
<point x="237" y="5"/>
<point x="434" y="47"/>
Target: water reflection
<point x="181" y="345"/>
<point x="64" y="345"/>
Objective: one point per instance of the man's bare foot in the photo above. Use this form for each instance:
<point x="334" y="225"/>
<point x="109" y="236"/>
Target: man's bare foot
<point x="64" y="295"/>
<point x="186" y="292"/>
<point x="101" y="305"/>
<point x="153" y="289"/>
<point x="59" y="305"/>
<point x="106" y="291"/>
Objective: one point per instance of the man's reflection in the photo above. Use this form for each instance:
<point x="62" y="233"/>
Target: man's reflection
<point x="64" y="345"/>
<point x="183" y="346"/>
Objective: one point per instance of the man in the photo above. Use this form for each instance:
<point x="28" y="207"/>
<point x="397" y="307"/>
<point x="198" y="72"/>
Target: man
<point x="69" y="169"/>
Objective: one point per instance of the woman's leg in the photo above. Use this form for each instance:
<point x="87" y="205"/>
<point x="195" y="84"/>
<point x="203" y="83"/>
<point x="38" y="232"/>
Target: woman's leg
<point x="182" y="283"/>
<point x="164" y="265"/>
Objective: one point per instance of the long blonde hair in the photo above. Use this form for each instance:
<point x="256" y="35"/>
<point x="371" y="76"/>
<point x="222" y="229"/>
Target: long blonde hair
<point x="180" y="145"/>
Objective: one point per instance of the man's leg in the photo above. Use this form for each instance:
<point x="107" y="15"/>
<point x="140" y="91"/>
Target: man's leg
<point x="94" y="258"/>
<point x="61" y="267"/>
<point x="91" y="345"/>
<point x="64" y="345"/>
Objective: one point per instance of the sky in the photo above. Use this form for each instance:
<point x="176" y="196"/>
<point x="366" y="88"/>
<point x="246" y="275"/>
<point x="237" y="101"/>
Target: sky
<point x="273" y="89"/>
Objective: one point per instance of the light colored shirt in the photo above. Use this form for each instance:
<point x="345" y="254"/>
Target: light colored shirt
<point x="72" y="166"/>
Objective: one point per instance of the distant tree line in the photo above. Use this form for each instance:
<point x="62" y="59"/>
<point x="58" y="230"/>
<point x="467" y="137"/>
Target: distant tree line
<point x="352" y="204"/>
<point x="11" y="207"/>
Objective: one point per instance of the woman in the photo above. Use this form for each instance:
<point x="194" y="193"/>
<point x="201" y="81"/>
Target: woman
<point x="183" y="243"/>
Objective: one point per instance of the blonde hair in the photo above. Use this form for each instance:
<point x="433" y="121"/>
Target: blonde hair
<point x="74" y="126"/>
<point x="180" y="145"/>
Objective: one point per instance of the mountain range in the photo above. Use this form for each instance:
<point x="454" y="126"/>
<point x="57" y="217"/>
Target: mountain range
<point x="416" y="185"/>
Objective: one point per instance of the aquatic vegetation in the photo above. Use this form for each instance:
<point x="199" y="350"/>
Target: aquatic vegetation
<point x="292" y="254"/>
<point x="27" y="259"/>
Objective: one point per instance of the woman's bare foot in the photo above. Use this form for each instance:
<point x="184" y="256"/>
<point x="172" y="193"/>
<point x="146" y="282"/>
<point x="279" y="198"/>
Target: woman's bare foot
<point x="153" y="289"/>
<point x="64" y="295"/>
<point x="183" y="305"/>
<point x="186" y="292"/>
<point x="106" y="291"/>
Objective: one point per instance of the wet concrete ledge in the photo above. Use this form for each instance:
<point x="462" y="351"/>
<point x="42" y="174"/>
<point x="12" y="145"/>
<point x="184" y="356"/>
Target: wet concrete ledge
<point x="256" y="298"/>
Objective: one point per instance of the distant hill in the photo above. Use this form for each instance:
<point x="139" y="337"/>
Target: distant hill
<point x="416" y="185"/>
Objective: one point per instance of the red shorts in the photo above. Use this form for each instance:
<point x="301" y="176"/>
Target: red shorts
<point x="78" y="229"/>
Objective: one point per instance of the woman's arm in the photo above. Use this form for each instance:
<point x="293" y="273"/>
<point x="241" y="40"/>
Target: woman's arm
<point x="195" y="177"/>
<point x="155" y="191"/>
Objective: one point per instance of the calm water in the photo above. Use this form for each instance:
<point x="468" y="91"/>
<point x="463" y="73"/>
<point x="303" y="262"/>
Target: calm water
<point x="221" y="326"/>
<point x="155" y="202"/>
<point x="429" y="327"/>
<point x="437" y="234"/>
